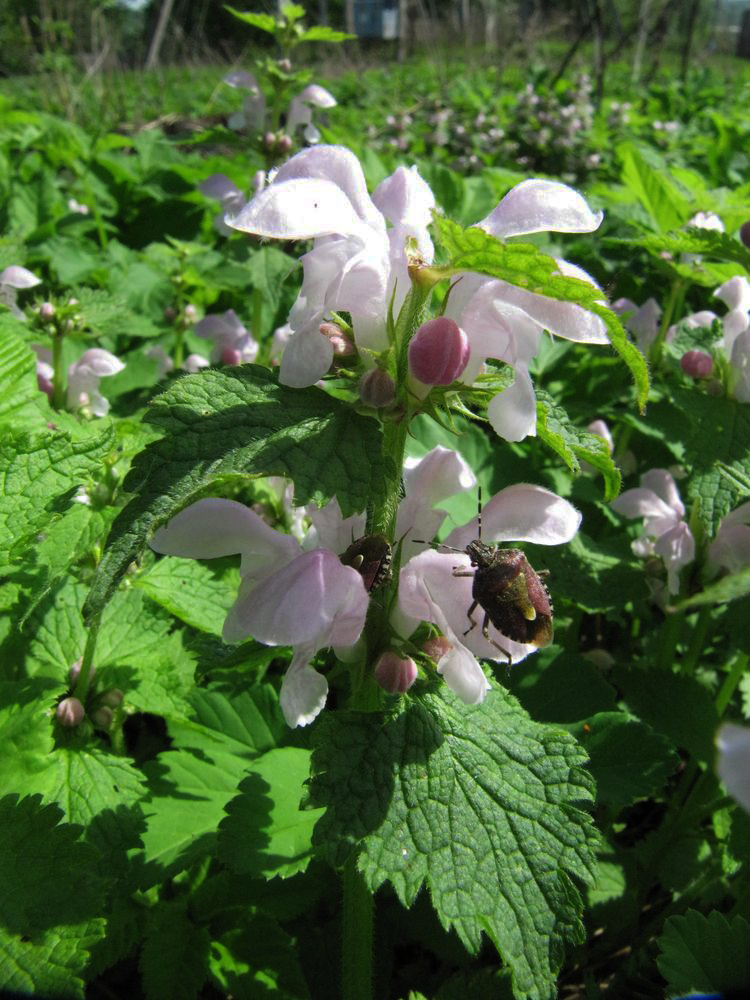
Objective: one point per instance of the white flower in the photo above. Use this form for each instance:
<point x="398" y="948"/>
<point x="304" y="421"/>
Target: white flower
<point x="232" y="343"/>
<point x="735" y="294"/>
<point x="83" y="380"/>
<point x="665" y="533"/>
<point x="225" y="191"/>
<point x="253" y="112"/>
<point x="300" y="110"/>
<point x="730" y="549"/>
<point x="733" y="761"/>
<point x="642" y="321"/>
<point x="11" y="279"/>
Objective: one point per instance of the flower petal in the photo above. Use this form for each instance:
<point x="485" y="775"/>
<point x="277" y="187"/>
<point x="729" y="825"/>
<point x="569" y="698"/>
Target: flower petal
<point x="522" y="513"/>
<point x="303" y="690"/>
<point x="733" y="762"/>
<point x="512" y="412"/>
<point x="296" y="210"/>
<point x="330" y="530"/>
<point x="97" y="362"/>
<point x="439" y="474"/>
<point x="534" y="206"/>
<point x="307" y="357"/>
<point x="313" y="601"/>
<point x="18" y="277"/>
<point x="661" y="481"/>
<point x="215" y="527"/>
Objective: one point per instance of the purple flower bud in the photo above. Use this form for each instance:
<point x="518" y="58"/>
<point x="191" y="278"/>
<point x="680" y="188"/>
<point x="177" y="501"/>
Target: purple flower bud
<point x="269" y="140"/>
<point x="112" y="698"/>
<point x="438" y="352"/>
<point x="102" y="717"/>
<point x="191" y="313"/>
<point x="377" y="388"/>
<point x="395" y="674"/>
<point x="745" y="233"/>
<point x="284" y="144"/>
<point x="46" y="311"/>
<point x="437" y="647"/>
<point x="697" y="364"/>
<point x="70" y="712"/>
<point x="230" y="356"/>
<point x="75" y="671"/>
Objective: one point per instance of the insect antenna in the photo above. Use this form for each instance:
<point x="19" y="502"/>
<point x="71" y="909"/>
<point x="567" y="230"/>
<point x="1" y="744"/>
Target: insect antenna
<point x="479" y="512"/>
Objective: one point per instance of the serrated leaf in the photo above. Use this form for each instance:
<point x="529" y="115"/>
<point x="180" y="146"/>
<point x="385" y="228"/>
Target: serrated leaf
<point x="709" y="954"/>
<point x="627" y="758"/>
<point x="322" y="33"/>
<point x="192" y="592"/>
<point x="241" y="422"/>
<point x="265" y="832"/>
<point x="20" y="392"/>
<point x="51" y="964"/>
<point x="257" y="961"/>
<point x="268" y="269"/>
<point x="264" y="22"/>
<point x="35" y="850"/>
<point x="174" y="957"/>
<point x="478" y="802"/>
<point x="40" y="475"/>
<point x="573" y="445"/>
<point x="728" y="588"/>
<point x="706" y="242"/>
<point x="526" y="266"/>
<point x="657" y="192"/>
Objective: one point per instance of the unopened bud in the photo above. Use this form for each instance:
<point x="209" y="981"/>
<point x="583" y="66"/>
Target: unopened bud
<point x="439" y="352"/>
<point x="46" y="311"/>
<point x="70" y="712"/>
<point x="285" y="65"/>
<point x="377" y="388"/>
<point x="341" y="344"/>
<point x="269" y="140"/>
<point x="191" y="313"/>
<point x="395" y="674"/>
<point x="72" y="302"/>
<point x="745" y="233"/>
<point x="169" y="314"/>
<point x="112" y="698"/>
<point x="231" y="356"/>
<point x="102" y="717"/>
<point x="75" y="671"/>
<point x="284" y="143"/>
<point x="697" y="364"/>
<point x="437" y="647"/>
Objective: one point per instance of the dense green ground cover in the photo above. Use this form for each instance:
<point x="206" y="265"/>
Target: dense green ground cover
<point x="156" y="846"/>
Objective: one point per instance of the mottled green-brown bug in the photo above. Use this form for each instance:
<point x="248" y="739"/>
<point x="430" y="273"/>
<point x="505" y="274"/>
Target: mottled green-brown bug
<point x="371" y="557"/>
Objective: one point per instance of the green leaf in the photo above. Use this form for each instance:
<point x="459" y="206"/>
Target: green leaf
<point x="705" y="954"/>
<point x="264" y="22"/>
<point x="51" y="964"/>
<point x="40" y="476"/>
<point x="567" y="689"/>
<point x="241" y="422"/>
<point x="41" y="860"/>
<point x="19" y="393"/>
<point x="628" y="759"/>
<point x="174" y="958"/>
<point x="531" y="269"/>
<point x="268" y="269"/>
<point x="479" y="802"/>
<point x="321" y="33"/>
<point x="257" y="961"/>
<point x="195" y="593"/>
<point x="555" y="428"/>
<point x="728" y="588"/>
<point x="265" y="832"/>
<point x="657" y="192"/>
<point x="706" y="242"/>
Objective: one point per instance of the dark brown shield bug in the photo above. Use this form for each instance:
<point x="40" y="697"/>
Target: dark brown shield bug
<point x="371" y="557"/>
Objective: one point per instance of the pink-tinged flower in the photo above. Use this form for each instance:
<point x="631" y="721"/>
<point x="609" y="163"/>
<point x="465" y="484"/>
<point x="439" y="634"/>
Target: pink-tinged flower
<point x="735" y="294"/>
<point x="430" y="591"/>
<point x="83" y="380"/>
<point x="12" y="279"/>
<point x="642" y="321"/>
<point x="707" y="220"/>
<point x="300" y="110"/>
<point x="665" y="533"/>
<point x="228" y="335"/>
<point x="730" y="550"/>
<point x="438" y="352"/>
<point x="394" y="673"/>
<point x="695" y="321"/>
<point x="733" y="761"/>
<point x="225" y="191"/>
<point x="77" y="208"/>
<point x="165" y="364"/>
<point x="288" y="596"/>
<point x="253" y="112"/>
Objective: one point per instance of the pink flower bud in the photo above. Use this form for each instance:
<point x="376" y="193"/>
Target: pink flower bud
<point x="70" y="712"/>
<point x="45" y="384"/>
<point x="231" y="356"/>
<point x="285" y="65"/>
<point x="191" y="313"/>
<point x="438" y="352"/>
<point x="437" y="647"/>
<point x="341" y="344"/>
<point x="284" y="144"/>
<point x="169" y="314"/>
<point x="269" y="140"/>
<point x="75" y="671"/>
<point x="112" y="698"/>
<point x="395" y="674"/>
<point x="46" y="311"/>
<point x="745" y="233"/>
<point x="697" y="364"/>
<point x="377" y="388"/>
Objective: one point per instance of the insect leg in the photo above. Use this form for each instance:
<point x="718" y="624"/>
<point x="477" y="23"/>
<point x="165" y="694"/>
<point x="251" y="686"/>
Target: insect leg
<point x="469" y="616"/>
<point x="488" y="637"/>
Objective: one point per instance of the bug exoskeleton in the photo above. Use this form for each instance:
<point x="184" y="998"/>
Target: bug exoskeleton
<point x="371" y="557"/>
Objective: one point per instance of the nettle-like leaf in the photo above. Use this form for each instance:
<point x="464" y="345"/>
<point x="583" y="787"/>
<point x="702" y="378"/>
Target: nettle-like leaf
<point x="51" y="964"/>
<point x="19" y="392"/>
<point x="258" y="960"/>
<point x="263" y="22"/>
<point x="727" y="588"/>
<point x="706" y="242"/>
<point x="667" y="204"/>
<point x="241" y="422"/>
<point x="322" y="33"/>
<point x="41" y="474"/>
<point x="174" y="958"/>
<point x="525" y="265"/>
<point x="480" y="803"/>
<point x="194" y="593"/>
<point x="705" y="954"/>
<point x="555" y="428"/>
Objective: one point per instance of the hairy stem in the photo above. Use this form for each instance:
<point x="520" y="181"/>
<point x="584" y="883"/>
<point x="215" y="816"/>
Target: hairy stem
<point x="356" y="970"/>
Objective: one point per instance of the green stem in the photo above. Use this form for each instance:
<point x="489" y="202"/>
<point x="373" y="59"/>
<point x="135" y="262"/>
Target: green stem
<point x="356" y="970"/>
<point x="657" y="347"/>
<point x="58" y="373"/>
<point x="670" y="634"/>
<point x="179" y="345"/>
<point x="82" y="684"/>
<point x="697" y="641"/>
<point x="257" y="314"/>
<point x="730" y="683"/>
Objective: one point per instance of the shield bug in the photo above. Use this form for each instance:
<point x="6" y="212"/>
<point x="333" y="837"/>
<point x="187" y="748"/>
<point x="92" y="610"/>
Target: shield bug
<point x="510" y="593"/>
<point x="371" y="557"/>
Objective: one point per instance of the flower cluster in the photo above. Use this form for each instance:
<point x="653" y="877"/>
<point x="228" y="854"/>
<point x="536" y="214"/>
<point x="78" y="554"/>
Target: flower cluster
<point x="300" y="594"/>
